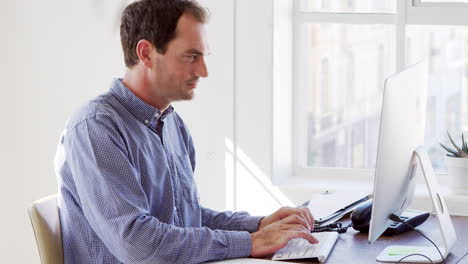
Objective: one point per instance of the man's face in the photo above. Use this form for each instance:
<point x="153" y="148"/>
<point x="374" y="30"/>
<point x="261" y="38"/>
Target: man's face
<point x="177" y="71"/>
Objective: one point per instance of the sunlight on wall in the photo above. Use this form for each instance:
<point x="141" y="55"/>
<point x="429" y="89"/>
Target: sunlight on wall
<point x="230" y="181"/>
<point x="255" y="192"/>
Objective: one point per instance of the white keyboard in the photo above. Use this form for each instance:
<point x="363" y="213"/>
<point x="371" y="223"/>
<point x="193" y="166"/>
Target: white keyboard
<point x="300" y="248"/>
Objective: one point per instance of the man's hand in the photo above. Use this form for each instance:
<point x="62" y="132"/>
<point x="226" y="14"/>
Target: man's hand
<point x="275" y="236"/>
<point x="307" y="220"/>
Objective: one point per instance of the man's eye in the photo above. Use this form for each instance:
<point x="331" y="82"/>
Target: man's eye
<point x="192" y="58"/>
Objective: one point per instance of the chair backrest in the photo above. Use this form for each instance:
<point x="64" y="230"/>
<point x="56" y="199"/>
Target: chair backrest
<point x="46" y="224"/>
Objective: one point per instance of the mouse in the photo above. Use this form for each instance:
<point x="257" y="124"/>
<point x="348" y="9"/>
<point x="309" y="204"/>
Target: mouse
<point x="361" y="216"/>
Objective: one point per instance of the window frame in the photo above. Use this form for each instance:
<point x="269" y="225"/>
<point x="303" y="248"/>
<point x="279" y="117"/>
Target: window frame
<point x="287" y="19"/>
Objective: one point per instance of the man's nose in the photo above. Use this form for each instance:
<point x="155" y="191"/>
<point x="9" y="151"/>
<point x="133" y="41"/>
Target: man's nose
<point x="201" y="69"/>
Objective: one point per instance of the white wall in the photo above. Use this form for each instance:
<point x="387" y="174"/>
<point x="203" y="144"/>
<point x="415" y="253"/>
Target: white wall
<point x="55" y="55"/>
<point x="209" y="116"/>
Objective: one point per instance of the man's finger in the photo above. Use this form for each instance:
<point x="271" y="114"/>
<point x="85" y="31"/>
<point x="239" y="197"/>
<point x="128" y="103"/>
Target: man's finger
<point x="302" y="234"/>
<point x="306" y="216"/>
<point x="291" y="227"/>
<point x="309" y="237"/>
<point x="295" y="219"/>
<point x="303" y="212"/>
<point x="286" y="211"/>
<point x="309" y="216"/>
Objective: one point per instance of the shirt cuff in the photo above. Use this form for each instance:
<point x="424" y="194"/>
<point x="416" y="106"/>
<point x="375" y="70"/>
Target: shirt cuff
<point x="250" y="223"/>
<point x="239" y="244"/>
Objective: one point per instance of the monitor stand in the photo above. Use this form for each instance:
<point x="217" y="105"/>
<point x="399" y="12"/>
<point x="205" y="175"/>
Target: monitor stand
<point x="395" y="253"/>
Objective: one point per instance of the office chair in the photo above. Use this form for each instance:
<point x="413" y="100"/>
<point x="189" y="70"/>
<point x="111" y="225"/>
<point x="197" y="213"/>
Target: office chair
<point x="46" y="225"/>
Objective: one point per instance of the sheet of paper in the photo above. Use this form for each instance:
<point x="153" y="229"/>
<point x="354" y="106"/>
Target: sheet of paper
<point x="323" y="205"/>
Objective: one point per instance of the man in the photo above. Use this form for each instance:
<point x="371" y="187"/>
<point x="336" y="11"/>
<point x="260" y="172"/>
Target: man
<point x="126" y="159"/>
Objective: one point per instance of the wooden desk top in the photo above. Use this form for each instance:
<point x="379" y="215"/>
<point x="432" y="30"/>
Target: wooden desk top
<point x="352" y="247"/>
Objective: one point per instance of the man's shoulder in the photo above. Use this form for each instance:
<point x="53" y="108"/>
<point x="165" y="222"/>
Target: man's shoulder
<point x="101" y="108"/>
<point x="177" y="118"/>
<point x="179" y="121"/>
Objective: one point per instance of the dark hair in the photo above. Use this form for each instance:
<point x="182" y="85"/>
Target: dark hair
<point x="155" y="21"/>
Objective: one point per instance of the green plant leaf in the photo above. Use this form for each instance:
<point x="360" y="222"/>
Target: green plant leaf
<point x="460" y="151"/>
<point x="464" y="144"/>
<point x="450" y="150"/>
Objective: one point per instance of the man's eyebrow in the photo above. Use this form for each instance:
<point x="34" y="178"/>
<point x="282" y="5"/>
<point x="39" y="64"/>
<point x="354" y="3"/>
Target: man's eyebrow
<point x="195" y="51"/>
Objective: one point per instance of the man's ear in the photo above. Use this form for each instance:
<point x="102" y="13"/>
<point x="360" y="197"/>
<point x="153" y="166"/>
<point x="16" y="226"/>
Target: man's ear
<point x="143" y="51"/>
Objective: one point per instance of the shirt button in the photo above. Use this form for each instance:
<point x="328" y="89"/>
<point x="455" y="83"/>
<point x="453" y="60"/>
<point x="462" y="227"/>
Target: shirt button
<point x="146" y="121"/>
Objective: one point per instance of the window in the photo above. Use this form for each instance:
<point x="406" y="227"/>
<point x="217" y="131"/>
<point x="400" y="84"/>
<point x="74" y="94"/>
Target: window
<point x="342" y="91"/>
<point x="344" y="50"/>
<point x="360" y="6"/>
<point x="443" y="1"/>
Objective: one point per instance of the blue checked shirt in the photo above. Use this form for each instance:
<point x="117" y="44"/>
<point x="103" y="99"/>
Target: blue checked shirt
<point x="127" y="193"/>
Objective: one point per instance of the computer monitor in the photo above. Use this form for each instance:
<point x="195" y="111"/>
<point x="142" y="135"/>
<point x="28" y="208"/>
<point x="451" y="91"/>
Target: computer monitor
<point x="399" y="152"/>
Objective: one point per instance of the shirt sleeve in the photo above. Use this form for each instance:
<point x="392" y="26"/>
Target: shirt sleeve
<point x="115" y="205"/>
<point x="230" y="221"/>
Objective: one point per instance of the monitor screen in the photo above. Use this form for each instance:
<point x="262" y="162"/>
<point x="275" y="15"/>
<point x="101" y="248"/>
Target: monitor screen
<point x="402" y="127"/>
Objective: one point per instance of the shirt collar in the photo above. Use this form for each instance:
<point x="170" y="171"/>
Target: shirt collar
<point x="141" y="110"/>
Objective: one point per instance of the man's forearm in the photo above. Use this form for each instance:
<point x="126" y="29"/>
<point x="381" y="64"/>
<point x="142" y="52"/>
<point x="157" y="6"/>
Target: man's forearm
<point x="227" y="220"/>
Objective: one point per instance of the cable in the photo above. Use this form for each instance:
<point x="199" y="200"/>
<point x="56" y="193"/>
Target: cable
<point x="396" y="218"/>
<point x="461" y="258"/>
<point x="333" y="227"/>
<point x="410" y="255"/>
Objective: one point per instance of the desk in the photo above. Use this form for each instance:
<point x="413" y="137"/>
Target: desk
<point x="352" y="247"/>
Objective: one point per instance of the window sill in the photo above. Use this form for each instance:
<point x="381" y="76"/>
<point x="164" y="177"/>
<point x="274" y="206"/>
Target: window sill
<point x="456" y="203"/>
